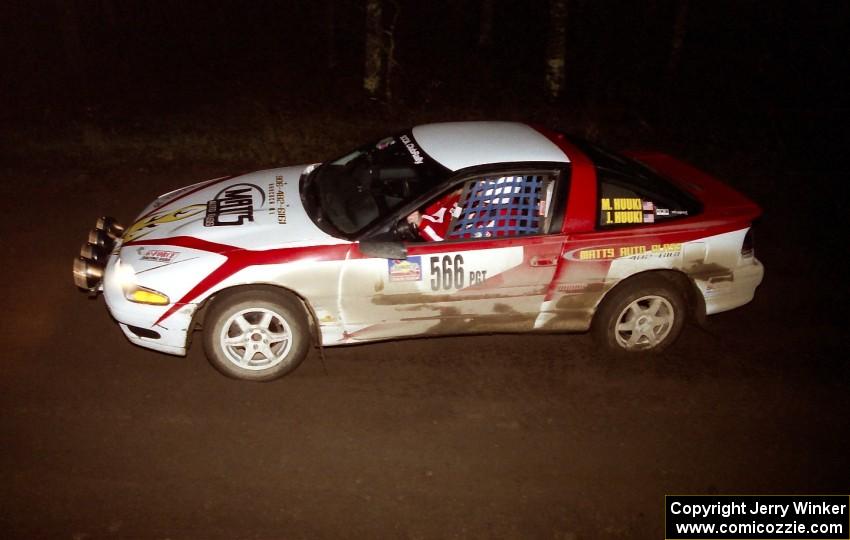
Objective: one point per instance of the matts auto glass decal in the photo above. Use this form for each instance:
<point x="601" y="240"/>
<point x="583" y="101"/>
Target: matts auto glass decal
<point x="603" y="253"/>
<point x="234" y="205"/>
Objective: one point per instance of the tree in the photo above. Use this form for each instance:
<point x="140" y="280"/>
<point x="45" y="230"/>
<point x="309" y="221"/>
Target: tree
<point x="380" y="49"/>
<point x="556" y="49"/>
<point x="374" y="48"/>
<point x="389" y="50"/>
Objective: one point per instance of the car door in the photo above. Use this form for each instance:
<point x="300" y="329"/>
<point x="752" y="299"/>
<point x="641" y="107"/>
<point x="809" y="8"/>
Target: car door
<point x="489" y="273"/>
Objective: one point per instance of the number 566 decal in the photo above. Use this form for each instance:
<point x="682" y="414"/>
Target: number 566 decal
<point x="446" y="272"/>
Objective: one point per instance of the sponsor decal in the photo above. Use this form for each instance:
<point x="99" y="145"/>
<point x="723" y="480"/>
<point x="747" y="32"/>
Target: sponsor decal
<point x="648" y="206"/>
<point x="659" y="251"/>
<point x="678" y="212"/>
<point x="234" y="205"/>
<point x="158" y="255"/>
<point x="409" y="269"/>
<point x="662" y="212"/>
<point x="146" y="225"/>
<point x="649" y="218"/>
<point x="414" y="152"/>
<point x="615" y="252"/>
<point x="593" y="254"/>
<point x="277" y="200"/>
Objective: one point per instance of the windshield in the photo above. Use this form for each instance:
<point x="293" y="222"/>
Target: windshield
<point x="364" y="187"/>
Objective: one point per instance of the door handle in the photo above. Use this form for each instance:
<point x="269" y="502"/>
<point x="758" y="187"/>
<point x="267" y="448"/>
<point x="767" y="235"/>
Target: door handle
<point x="544" y="260"/>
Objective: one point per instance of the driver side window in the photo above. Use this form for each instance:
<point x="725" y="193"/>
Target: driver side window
<point x="495" y="206"/>
<point x="489" y="206"/>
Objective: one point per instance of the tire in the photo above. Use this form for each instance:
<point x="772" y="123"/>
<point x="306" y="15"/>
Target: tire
<point x="256" y="335"/>
<point x="643" y="315"/>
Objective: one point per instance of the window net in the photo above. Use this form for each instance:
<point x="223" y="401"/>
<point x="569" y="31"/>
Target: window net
<point x="501" y="206"/>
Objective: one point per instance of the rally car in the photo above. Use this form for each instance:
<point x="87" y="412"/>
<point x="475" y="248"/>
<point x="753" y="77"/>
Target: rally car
<point x="450" y="228"/>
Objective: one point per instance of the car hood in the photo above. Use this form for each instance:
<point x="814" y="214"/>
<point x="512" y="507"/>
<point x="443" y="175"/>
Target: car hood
<point x="259" y="210"/>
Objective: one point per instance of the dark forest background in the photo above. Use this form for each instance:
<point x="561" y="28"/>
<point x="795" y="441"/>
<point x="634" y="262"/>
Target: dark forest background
<point x="263" y="82"/>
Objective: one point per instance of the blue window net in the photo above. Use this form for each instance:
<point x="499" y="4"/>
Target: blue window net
<point x="500" y="206"/>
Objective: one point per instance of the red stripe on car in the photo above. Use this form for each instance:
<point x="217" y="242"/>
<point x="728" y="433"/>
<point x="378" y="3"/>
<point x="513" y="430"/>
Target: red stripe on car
<point x="239" y="259"/>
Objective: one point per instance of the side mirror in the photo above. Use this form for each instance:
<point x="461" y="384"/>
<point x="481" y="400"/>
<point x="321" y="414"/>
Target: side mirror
<point x="383" y="250"/>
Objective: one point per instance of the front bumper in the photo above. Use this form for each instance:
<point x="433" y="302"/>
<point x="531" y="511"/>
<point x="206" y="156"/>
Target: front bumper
<point x="168" y="343"/>
<point x="95" y="271"/>
<point x="139" y="321"/>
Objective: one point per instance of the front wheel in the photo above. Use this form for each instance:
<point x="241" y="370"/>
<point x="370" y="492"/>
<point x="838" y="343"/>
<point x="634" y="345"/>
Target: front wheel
<point x="643" y="315"/>
<point x="256" y="335"/>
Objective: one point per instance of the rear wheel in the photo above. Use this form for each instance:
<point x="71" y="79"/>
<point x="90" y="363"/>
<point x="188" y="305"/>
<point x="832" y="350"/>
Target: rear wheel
<point x="645" y="314"/>
<point x="256" y="335"/>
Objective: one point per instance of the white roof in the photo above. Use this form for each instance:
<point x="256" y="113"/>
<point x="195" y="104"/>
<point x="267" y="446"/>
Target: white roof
<point x="457" y="145"/>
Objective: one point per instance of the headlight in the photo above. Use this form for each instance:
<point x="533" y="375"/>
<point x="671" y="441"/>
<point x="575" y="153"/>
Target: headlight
<point x="126" y="277"/>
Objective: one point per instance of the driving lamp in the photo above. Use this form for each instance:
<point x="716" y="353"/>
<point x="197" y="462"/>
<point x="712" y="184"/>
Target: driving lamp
<point x="110" y="226"/>
<point x="143" y="295"/>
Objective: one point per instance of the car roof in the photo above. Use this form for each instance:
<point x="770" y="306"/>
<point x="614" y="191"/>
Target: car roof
<point x="457" y="145"/>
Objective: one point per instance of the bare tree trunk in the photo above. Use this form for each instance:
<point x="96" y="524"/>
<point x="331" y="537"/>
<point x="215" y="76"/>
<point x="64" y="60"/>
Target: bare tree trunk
<point x="556" y="48"/>
<point x="374" y="48"/>
<point x="680" y="29"/>
<point x="390" y="52"/>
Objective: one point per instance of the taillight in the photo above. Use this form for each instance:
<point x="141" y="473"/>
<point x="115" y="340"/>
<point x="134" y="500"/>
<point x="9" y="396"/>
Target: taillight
<point x="748" y="247"/>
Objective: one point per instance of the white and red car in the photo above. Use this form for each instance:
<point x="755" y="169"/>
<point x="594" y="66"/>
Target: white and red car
<point x="545" y="233"/>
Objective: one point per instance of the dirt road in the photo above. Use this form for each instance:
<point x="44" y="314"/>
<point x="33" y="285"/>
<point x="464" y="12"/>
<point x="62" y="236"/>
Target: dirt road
<point x="496" y="436"/>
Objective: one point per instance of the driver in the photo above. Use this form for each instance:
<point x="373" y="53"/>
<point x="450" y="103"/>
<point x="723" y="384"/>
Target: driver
<point x="433" y="222"/>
